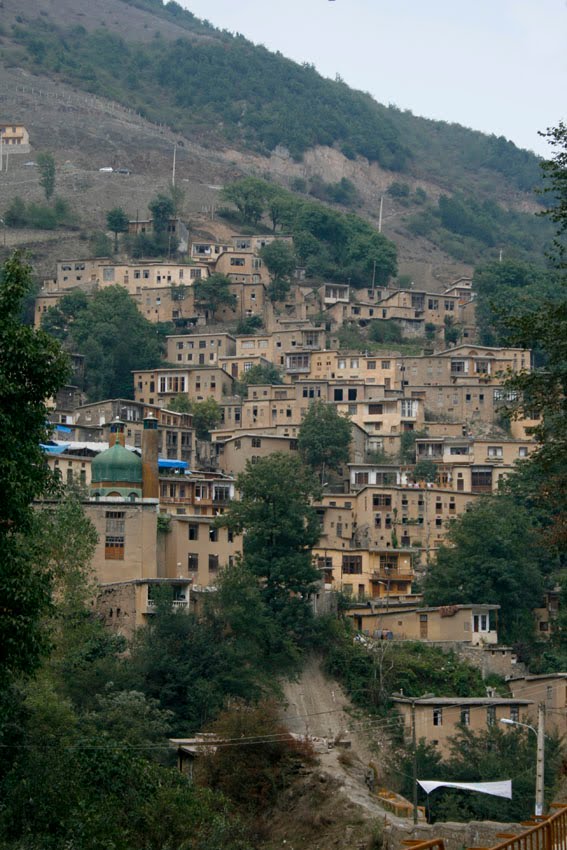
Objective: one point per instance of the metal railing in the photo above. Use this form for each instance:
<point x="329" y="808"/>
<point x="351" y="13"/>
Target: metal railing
<point x="547" y="833"/>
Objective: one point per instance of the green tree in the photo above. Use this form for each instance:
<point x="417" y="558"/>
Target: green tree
<point x="493" y="556"/>
<point x="213" y="292"/>
<point x="542" y="482"/>
<point x="452" y="333"/>
<point x="16" y="214"/>
<point x="324" y="438"/>
<point x="555" y="174"/>
<point x="280" y="528"/>
<point x="32" y="368"/>
<point x="180" y="403"/>
<point x="259" y="374"/>
<point x="100" y="244"/>
<point x="46" y="166"/>
<point x="425" y="470"/>
<point x="162" y="210"/>
<point x="249" y="325"/>
<point x="249" y="195"/>
<point x="407" y="445"/>
<point x="279" y="258"/>
<point x="112" y="334"/>
<point x="206" y="416"/>
<point x="117" y="222"/>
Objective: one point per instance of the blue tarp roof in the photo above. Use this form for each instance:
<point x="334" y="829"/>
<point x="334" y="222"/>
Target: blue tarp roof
<point x="63" y="428"/>
<point x="55" y="449"/>
<point x="172" y="464"/>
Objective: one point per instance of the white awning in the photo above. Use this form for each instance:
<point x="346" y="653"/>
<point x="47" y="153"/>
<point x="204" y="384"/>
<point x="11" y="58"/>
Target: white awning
<point x="497" y="789"/>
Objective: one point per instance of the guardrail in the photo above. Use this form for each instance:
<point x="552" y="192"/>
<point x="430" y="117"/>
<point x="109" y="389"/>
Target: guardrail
<point x="546" y="833"/>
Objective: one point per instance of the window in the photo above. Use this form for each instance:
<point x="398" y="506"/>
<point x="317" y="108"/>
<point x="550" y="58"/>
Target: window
<point x="256" y="442"/>
<point x="213" y="534"/>
<point x="381" y="501"/>
<point x="371" y="364"/>
<point x="459" y="367"/>
<point x="389" y="562"/>
<point x="114" y="537"/>
<point x="438" y="717"/>
<point x="352" y="394"/>
<point x="192" y="562"/>
<point x="193" y="531"/>
<point x="385" y="364"/>
<point x="338" y="395"/>
<point x="409" y="408"/>
<point x="361" y="478"/>
<point x="523" y="451"/>
<point x="354" y="363"/>
<point x="481" y="479"/>
<point x="237" y="261"/>
<point x="514" y="713"/>
<point x="433" y="304"/>
<point x="213" y="563"/>
<point x="352" y="564"/>
<point x="495" y="451"/>
<point x="466" y="716"/>
<point x="491" y="715"/>
<point x="375" y="409"/>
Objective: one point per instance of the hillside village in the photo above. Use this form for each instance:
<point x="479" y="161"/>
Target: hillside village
<point x="429" y="438"/>
<point x="307" y="554"/>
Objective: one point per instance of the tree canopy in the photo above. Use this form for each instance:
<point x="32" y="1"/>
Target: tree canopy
<point x="32" y="369"/>
<point x="493" y="555"/>
<point x="324" y="437"/>
<point x="280" y="528"/>
<point x="112" y="334"/>
<point x="213" y="292"/>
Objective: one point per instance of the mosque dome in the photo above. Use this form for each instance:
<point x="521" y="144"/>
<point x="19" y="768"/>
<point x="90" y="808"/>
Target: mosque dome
<point x="116" y="465"/>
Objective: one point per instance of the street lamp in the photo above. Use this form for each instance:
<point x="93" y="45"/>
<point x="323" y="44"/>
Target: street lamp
<point x="540" y="754"/>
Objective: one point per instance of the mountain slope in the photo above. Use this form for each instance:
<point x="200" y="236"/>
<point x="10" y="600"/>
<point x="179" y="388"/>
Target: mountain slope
<point x="203" y="80"/>
<point x="242" y="110"/>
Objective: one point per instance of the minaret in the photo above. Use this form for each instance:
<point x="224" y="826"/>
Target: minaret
<point x="116" y="433"/>
<point x="150" y="479"/>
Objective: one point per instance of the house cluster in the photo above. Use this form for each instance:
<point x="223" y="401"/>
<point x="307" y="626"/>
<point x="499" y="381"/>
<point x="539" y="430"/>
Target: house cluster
<point x="427" y="441"/>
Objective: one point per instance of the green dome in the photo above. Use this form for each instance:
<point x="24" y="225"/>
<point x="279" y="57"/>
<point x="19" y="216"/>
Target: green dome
<point x="116" y="464"/>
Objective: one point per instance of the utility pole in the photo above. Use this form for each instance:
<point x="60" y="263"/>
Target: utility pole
<point x="540" y="762"/>
<point x="414" y="771"/>
<point x="374" y="276"/>
<point x="173" y="172"/>
<point x="380" y="214"/>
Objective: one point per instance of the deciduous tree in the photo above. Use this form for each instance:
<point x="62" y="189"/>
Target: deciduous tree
<point x="117" y="222"/>
<point x="493" y="556"/>
<point x="324" y="438"/>
<point x="32" y="368"/>
<point x="46" y="166"/>
<point x="280" y="528"/>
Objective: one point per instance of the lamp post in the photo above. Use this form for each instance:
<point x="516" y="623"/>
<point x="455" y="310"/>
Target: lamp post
<point x="540" y="755"/>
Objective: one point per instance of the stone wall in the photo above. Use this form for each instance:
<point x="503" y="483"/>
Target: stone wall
<point x="455" y="835"/>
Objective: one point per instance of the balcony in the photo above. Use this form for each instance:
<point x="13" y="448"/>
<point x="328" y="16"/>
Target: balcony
<point x="176" y="603"/>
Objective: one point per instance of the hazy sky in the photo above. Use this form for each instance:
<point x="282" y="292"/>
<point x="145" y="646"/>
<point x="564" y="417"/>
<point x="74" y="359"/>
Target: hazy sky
<point x="499" y="66"/>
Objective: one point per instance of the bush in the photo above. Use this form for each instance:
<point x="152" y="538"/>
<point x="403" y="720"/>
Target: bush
<point x="385" y="330"/>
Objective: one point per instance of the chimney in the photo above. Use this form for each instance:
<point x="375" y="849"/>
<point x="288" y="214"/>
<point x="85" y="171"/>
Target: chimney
<point x="150" y="480"/>
<point x="116" y="433"/>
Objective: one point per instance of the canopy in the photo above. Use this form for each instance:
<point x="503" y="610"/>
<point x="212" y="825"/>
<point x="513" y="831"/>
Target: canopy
<point x="172" y="464"/>
<point x="56" y="449"/>
<point x="497" y="789"/>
